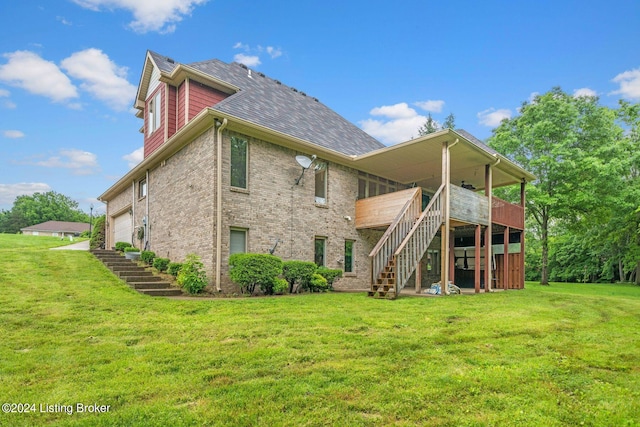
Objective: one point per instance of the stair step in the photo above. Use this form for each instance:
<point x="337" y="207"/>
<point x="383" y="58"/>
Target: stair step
<point x="139" y="273"/>
<point x="138" y="279"/>
<point x="173" y="292"/>
<point x="149" y="285"/>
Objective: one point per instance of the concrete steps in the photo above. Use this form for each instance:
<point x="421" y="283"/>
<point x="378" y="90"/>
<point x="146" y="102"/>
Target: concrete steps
<point x="139" y="278"/>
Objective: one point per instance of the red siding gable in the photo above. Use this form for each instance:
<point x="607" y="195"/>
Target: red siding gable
<point x="181" y="118"/>
<point x="154" y="140"/>
<point x="201" y="97"/>
<point x="172" y="116"/>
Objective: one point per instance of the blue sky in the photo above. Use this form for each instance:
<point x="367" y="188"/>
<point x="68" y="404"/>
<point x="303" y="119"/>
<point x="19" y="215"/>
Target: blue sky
<point x="69" y="69"/>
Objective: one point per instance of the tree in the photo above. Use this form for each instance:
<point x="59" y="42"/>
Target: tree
<point x="449" y="122"/>
<point x="40" y="207"/>
<point x="430" y="126"/>
<point x="573" y="145"/>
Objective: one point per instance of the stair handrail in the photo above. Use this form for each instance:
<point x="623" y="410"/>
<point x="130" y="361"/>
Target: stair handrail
<point x="418" y="239"/>
<point x="382" y="253"/>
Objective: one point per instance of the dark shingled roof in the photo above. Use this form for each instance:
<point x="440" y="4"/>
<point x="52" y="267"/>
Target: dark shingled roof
<point x="476" y="141"/>
<point x="59" y="227"/>
<point x="269" y="103"/>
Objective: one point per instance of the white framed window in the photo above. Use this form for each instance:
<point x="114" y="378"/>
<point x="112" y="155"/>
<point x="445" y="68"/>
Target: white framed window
<point x="320" y="251"/>
<point x="321" y="183"/>
<point x="239" y="162"/>
<point x="348" y="256"/>
<point x="237" y="241"/>
<point x="142" y="188"/>
<point x="154" y="113"/>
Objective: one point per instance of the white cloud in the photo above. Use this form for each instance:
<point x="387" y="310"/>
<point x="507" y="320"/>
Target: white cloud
<point x="252" y="56"/>
<point x="9" y="192"/>
<point x="433" y="106"/>
<point x="401" y="124"/>
<point x="492" y="117"/>
<point x="63" y="20"/>
<point x="101" y="77"/>
<point x="629" y="82"/>
<point x="150" y="15"/>
<point x="274" y="52"/>
<point x="13" y="134"/>
<point x="5" y="102"/>
<point x="29" y="71"/>
<point x="134" y="157"/>
<point x="4" y="93"/>
<point x="80" y="162"/>
<point x="248" y="60"/>
<point x="584" y="92"/>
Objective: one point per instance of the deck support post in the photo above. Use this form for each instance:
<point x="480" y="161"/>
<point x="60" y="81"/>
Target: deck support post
<point x="505" y="274"/>
<point x="419" y="277"/>
<point x="488" y="264"/>
<point x="523" y="200"/>
<point x="477" y="269"/>
<point x="452" y="253"/>
<point x="446" y="180"/>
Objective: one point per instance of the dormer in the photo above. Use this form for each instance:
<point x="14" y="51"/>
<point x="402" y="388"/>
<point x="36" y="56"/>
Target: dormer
<point x="170" y="95"/>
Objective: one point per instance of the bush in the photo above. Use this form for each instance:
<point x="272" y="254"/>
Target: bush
<point x="121" y="246"/>
<point x="192" y="277"/>
<point x="280" y="286"/>
<point x="131" y="249"/>
<point x="161" y="264"/>
<point x="97" y="234"/>
<point x="298" y="274"/>
<point x="318" y="283"/>
<point x="147" y="257"/>
<point x="251" y="270"/>
<point x="330" y="274"/>
<point x="174" y="268"/>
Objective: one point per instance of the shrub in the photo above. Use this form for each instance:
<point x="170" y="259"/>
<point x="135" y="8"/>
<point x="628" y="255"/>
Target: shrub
<point x="97" y="234"/>
<point x="330" y="274"/>
<point x="121" y="246"/>
<point x="192" y="277"/>
<point x="298" y="274"/>
<point x="251" y="270"/>
<point x="147" y="257"/>
<point x="280" y="286"/>
<point x="131" y="249"/>
<point x="318" y="283"/>
<point x="174" y="268"/>
<point x="161" y="264"/>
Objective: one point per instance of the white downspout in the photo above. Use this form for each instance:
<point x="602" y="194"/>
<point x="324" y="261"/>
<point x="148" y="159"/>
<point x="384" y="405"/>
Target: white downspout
<point x="219" y="204"/>
<point x="133" y="209"/>
<point x="147" y="230"/>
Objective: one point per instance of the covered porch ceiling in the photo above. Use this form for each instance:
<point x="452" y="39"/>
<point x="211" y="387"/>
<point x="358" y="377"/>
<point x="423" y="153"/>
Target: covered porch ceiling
<point x="420" y="161"/>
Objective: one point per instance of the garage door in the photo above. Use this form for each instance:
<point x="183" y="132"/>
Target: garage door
<point x="122" y="228"/>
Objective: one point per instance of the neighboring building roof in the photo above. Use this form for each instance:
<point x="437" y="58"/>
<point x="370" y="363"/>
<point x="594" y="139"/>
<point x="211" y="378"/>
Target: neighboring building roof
<point x="59" y="227"/>
<point x="271" y="104"/>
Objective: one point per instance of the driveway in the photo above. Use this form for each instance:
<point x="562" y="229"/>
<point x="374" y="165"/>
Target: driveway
<point x="80" y="246"/>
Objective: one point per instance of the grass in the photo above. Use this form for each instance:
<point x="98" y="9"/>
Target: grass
<point x="72" y="333"/>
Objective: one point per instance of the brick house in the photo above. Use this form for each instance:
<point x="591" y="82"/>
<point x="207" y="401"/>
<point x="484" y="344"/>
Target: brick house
<point x="224" y="150"/>
<point x="56" y="229"/>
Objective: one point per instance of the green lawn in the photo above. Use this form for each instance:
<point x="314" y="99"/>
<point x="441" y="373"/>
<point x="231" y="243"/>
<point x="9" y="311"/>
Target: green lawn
<point x="71" y="333"/>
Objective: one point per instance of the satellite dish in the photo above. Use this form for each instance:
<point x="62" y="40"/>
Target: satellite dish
<point x="304" y="161"/>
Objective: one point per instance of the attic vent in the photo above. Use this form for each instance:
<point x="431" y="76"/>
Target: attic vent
<point x="261" y="74"/>
<point x="171" y="61"/>
<point x="243" y="66"/>
<point x="278" y="82"/>
<point x="294" y="89"/>
<point x="303" y="94"/>
<point x="316" y="99"/>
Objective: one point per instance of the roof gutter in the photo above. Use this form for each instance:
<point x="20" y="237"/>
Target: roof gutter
<point x="218" y="231"/>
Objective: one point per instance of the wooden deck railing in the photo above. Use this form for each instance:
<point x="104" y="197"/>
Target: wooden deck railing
<point x="507" y="214"/>
<point x="415" y="244"/>
<point x="391" y="239"/>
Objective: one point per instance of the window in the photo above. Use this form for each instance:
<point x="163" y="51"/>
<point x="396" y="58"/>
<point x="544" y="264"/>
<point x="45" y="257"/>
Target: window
<point x="154" y="113"/>
<point x="319" y="253"/>
<point x="321" y="183"/>
<point x="348" y="256"/>
<point x="371" y="185"/>
<point x="238" y="241"/>
<point x="142" y="188"/>
<point x="238" y="162"/>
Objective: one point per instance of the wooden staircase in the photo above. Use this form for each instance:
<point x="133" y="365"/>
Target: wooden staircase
<point x="403" y="245"/>
<point x="138" y="278"/>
